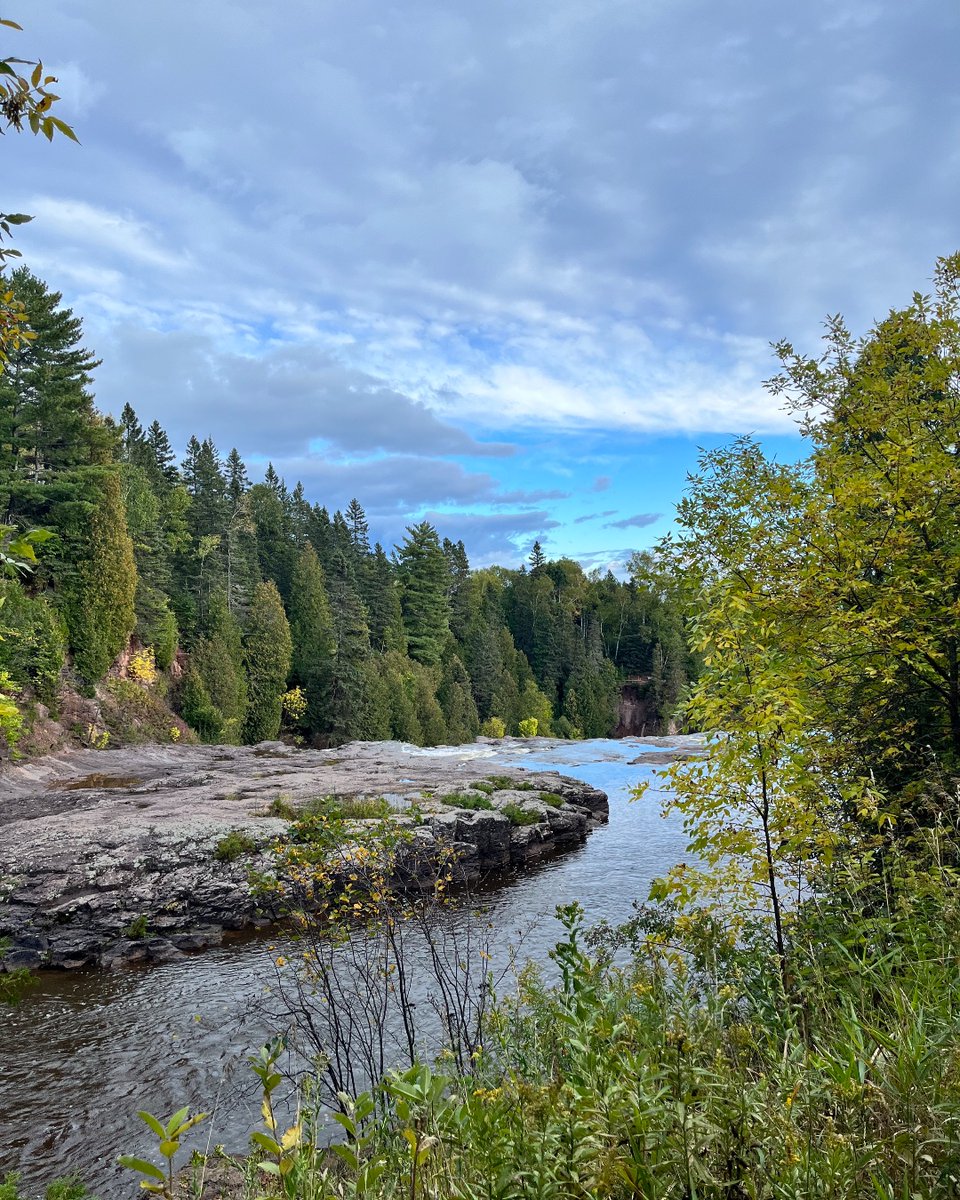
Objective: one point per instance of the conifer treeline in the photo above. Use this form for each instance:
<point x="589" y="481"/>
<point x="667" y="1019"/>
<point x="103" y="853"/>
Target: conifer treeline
<point x="268" y="611"/>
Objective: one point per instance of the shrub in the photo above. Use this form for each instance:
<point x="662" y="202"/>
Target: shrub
<point x="552" y="799"/>
<point x="350" y="808"/>
<point x="233" y="846"/>
<point x="281" y="807"/>
<point x="465" y="800"/>
<point x="528" y="728"/>
<point x="493" y="727"/>
<point x="520" y="816"/>
<point x="34" y="641"/>
<point x="142" y="666"/>
<point x="138" y="927"/>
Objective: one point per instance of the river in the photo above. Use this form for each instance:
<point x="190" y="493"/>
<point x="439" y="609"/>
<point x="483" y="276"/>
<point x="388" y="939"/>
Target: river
<point x="84" y="1051"/>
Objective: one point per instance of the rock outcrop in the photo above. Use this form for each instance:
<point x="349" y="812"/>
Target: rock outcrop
<point x="126" y="855"/>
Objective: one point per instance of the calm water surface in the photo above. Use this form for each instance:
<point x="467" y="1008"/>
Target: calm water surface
<point x="84" y="1051"/>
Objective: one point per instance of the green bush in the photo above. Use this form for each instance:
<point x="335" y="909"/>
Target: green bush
<point x="520" y="816"/>
<point x="69" y="1188"/>
<point x="552" y="799"/>
<point x="233" y="846"/>
<point x="493" y="727"/>
<point x="465" y="800"/>
<point x="34" y="641"/>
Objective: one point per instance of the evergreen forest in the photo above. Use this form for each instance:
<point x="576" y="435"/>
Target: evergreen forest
<point x="180" y="599"/>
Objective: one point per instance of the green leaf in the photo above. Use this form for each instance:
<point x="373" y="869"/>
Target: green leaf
<point x="142" y="1165"/>
<point x="154" y="1124"/>
<point x="176" y="1121"/>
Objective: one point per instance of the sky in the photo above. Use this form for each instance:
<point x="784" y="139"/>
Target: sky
<point x="505" y="266"/>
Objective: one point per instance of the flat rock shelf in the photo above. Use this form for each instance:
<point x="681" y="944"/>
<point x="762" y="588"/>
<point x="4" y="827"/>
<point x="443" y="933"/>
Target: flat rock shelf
<point x="109" y="857"/>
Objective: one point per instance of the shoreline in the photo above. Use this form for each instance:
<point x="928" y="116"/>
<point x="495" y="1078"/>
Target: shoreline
<point x="110" y="857"/>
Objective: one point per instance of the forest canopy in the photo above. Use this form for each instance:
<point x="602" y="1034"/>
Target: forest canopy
<point x="261" y="612"/>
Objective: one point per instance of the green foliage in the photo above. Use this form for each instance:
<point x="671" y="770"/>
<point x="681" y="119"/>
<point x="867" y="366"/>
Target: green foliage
<point x="311" y="628"/>
<point x="424" y="579"/>
<point x="156" y="624"/>
<point x="169" y="1135"/>
<point x="552" y="799"/>
<point x="234" y="845"/>
<point x="465" y="800"/>
<point x="528" y="727"/>
<point x="493" y="727"/>
<point x="99" y="601"/>
<point x="267" y="649"/>
<point x="198" y="710"/>
<point x="69" y="1188"/>
<point x="138" y="928"/>
<point x="520" y="816"/>
<point x="34" y="641"/>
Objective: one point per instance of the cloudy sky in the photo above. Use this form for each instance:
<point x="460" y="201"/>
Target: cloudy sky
<point x="506" y="265"/>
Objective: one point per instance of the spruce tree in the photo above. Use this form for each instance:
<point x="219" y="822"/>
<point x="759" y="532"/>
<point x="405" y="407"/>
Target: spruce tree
<point x="47" y="420"/>
<point x="345" y="699"/>
<point x="267" y="653"/>
<point x="425" y="580"/>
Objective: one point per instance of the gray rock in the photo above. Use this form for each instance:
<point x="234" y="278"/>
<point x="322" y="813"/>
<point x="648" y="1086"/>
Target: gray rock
<point x="98" y="845"/>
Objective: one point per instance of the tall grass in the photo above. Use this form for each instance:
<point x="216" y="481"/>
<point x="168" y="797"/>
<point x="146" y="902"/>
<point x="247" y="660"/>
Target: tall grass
<point x="670" y="1061"/>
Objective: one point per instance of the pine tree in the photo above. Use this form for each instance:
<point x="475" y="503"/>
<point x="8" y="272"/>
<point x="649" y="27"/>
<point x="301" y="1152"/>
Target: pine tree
<point x="311" y="628"/>
<point x="276" y="553"/>
<point x="47" y="420"/>
<point x="218" y="660"/>
<point x="164" y="459"/>
<point x="381" y="595"/>
<point x="425" y="601"/>
<point x="345" y="700"/>
<point x="267" y="652"/>
<point x="356" y="520"/>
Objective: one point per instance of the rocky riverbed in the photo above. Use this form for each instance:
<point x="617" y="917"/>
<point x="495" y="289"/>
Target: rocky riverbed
<point x="118" y="856"/>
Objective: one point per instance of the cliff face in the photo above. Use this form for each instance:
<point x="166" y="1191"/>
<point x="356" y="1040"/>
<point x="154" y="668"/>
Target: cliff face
<point x="117" y="856"/>
<point x="635" y="716"/>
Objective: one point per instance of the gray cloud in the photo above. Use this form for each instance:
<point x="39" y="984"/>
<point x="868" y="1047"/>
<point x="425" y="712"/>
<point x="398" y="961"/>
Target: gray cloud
<point x="387" y="485"/>
<point x="438" y="223"/>
<point x="601" y="483"/>
<point x="534" y="497"/>
<point x="593" y="516"/>
<point x="494" y="539"/>
<point x="271" y="404"/>
<point x="638" y="521"/>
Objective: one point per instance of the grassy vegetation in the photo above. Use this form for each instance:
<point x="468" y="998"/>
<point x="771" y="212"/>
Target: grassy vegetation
<point x="465" y="800"/>
<point x="281" y="807"/>
<point x="233" y="846"/>
<point x="668" y="1062"/>
<point x="552" y="799"/>
<point x="520" y="816"/>
<point x="70" y="1188"/>
<point x="504" y="783"/>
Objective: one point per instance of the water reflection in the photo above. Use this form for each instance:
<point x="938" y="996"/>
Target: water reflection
<point x="85" y="1051"/>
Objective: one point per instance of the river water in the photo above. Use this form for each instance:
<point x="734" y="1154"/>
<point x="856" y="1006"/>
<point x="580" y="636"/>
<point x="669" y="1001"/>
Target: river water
<point x="84" y="1051"/>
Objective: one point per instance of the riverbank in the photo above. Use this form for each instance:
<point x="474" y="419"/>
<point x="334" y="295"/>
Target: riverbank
<point x="144" y="854"/>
